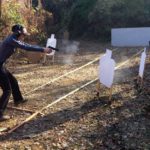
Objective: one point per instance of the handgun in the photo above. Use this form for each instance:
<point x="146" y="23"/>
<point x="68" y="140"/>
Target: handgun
<point x="55" y="49"/>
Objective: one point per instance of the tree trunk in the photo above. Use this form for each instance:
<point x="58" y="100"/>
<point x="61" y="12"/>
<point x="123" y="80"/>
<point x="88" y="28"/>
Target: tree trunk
<point x="30" y="3"/>
<point x="39" y="4"/>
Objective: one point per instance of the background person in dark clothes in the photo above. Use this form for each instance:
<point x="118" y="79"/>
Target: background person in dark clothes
<point x="8" y="82"/>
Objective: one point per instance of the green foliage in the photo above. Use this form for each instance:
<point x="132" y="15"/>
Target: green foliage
<point x="82" y="18"/>
<point x="79" y="13"/>
<point x="94" y="19"/>
<point x="34" y="20"/>
<point x="11" y="13"/>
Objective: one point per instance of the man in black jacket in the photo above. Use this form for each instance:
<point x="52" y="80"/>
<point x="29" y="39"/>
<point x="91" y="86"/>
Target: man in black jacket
<point x="8" y="82"/>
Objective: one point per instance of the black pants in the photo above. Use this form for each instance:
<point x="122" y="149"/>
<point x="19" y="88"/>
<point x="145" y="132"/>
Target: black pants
<point x="9" y="85"/>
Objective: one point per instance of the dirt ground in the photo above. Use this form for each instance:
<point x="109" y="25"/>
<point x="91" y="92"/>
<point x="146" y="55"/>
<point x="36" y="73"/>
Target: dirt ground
<point x="81" y="121"/>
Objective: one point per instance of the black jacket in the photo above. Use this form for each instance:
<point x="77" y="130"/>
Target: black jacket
<point x="9" y="45"/>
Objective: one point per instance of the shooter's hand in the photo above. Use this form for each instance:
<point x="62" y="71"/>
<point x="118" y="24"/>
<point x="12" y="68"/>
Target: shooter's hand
<point x="47" y="50"/>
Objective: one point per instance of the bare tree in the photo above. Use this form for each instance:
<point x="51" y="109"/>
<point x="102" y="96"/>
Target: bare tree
<point x="29" y="3"/>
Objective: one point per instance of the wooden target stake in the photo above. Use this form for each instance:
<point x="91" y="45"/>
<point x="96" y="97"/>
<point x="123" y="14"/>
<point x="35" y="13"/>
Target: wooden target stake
<point x="140" y="82"/>
<point x="110" y="94"/>
<point x="98" y="89"/>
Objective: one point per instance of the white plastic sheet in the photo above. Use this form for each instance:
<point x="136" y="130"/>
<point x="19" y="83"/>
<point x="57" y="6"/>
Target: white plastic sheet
<point x="106" y="69"/>
<point x="142" y="63"/>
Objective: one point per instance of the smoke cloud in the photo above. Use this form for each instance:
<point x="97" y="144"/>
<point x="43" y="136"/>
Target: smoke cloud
<point x="70" y="48"/>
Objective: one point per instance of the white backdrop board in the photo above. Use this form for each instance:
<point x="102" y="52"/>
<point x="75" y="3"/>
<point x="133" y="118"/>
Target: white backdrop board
<point x="130" y="36"/>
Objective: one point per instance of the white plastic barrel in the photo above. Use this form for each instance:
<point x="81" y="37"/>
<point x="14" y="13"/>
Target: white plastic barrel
<point x="142" y="63"/>
<point x="106" y="69"/>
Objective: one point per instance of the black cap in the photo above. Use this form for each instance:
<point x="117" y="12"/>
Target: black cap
<point x="19" y="29"/>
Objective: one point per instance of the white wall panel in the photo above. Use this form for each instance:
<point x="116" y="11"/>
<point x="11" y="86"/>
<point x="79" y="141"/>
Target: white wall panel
<point x="130" y="36"/>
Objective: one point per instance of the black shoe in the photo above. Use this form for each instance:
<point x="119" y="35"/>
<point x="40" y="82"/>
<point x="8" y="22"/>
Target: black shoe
<point x="4" y="118"/>
<point x="20" y="102"/>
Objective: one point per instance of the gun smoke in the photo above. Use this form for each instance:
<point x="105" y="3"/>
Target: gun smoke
<point x="70" y="48"/>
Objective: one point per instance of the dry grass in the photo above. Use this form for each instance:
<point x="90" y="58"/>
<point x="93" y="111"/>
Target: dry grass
<point x="82" y="121"/>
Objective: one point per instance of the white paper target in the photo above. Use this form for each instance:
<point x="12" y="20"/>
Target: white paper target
<point x="51" y="42"/>
<point x="108" y="53"/>
<point x="106" y="69"/>
<point x="142" y="63"/>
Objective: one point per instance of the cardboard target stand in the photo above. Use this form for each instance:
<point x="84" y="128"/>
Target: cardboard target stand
<point x="142" y="67"/>
<point x="106" y="71"/>
<point x="51" y="42"/>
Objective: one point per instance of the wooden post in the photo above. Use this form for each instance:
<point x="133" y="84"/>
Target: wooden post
<point x="140" y="82"/>
<point x="110" y="94"/>
<point x="28" y="3"/>
<point x="97" y="88"/>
